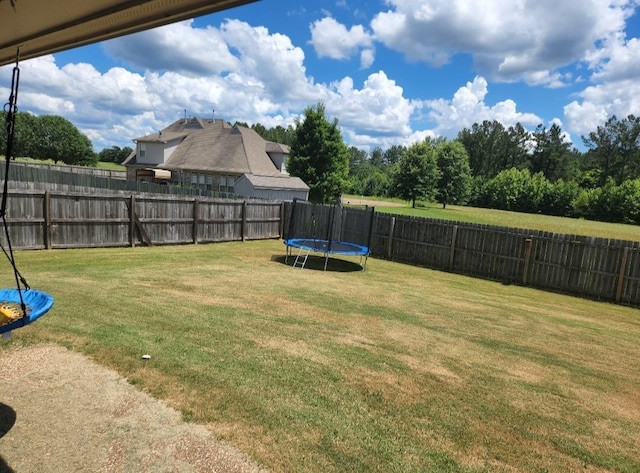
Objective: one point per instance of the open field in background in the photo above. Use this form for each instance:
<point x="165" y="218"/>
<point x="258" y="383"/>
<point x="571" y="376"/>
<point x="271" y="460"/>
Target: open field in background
<point x="394" y="369"/>
<point x="101" y="164"/>
<point x="569" y="226"/>
<point x="113" y="166"/>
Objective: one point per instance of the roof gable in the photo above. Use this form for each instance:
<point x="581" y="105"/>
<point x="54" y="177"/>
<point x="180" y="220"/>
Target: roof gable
<point x="216" y="146"/>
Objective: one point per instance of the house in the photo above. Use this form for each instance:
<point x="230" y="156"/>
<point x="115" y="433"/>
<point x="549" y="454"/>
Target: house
<point x="215" y="156"/>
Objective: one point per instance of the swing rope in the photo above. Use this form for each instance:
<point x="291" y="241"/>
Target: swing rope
<point x="11" y="109"/>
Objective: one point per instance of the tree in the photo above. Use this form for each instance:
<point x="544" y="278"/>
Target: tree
<point x="492" y="148"/>
<point x="552" y="155"/>
<point x="615" y="149"/>
<point x="358" y="170"/>
<point x="505" y="191"/>
<point x="319" y="155"/>
<point x="392" y="155"/>
<point x="454" y="184"/>
<point x="23" y="134"/>
<point x="115" y="154"/>
<point x="56" y="138"/>
<point x="377" y="157"/>
<point x="417" y="175"/>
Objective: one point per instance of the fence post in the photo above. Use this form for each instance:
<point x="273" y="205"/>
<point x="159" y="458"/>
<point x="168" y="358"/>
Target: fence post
<point x="47" y="219"/>
<point x="452" y="251"/>
<point x="281" y="226"/>
<point x="132" y="233"/>
<point x="528" y="243"/>
<point x="244" y="220"/>
<point x="392" y="229"/>
<point x="196" y="210"/>
<point x="623" y="268"/>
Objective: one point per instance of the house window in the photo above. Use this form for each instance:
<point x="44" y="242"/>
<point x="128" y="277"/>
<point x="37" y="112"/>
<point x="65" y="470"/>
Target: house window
<point x="143" y="150"/>
<point x="209" y="182"/>
<point x="194" y="180"/>
<point x="227" y="184"/>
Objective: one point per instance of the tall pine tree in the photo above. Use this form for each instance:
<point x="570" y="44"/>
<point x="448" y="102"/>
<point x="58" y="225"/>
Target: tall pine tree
<point x="319" y="156"/>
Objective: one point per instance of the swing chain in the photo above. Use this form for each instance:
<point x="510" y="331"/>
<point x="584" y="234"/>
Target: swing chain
<point x="11" y="109"/>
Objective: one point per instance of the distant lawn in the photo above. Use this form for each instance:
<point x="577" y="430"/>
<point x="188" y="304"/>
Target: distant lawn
<point x="113" y="166"/>
<point x="392" y="369"/>
<point x="571" y="226"/>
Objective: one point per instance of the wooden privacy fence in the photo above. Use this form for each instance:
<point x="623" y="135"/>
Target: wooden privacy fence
<point x="591" y="267"/>
<point x="82" y="179"/>
<point x="44" y="219"/>
<point x="598" y="268"/>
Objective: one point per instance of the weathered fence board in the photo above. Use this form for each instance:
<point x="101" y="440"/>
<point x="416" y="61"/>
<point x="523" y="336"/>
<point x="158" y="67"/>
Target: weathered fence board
<point x="46" y="219"/>
<point x="598" y="268"/>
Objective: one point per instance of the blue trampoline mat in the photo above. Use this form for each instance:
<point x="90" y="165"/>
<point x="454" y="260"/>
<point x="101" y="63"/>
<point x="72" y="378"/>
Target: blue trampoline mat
<point x="323" y="246"/>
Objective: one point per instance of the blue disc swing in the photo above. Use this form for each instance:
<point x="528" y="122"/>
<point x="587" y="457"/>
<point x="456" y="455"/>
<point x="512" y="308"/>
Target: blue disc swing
<point x="22" y="305"/>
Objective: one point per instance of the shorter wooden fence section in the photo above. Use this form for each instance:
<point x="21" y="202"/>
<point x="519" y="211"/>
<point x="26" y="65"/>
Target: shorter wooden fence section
<point x="598" y="268"/>
<point x="45" y="220"/>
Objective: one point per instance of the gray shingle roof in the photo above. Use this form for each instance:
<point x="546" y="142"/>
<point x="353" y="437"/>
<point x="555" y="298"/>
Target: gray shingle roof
<point x="216" y="146"/>
<point x="283" y="182"/>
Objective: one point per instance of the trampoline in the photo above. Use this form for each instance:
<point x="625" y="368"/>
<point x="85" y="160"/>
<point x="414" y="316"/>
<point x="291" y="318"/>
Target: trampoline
<point x="329" y="230"/>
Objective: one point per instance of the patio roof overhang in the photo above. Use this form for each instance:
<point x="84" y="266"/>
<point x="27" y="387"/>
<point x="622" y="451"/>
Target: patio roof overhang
<point x="39" y="27"/>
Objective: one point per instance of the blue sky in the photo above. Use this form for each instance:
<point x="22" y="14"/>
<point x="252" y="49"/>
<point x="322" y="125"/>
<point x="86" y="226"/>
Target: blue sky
<point x="392" y="71"/>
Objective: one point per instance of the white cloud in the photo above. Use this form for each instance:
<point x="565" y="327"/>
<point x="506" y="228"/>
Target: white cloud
<point x="616" y="59"/>
<point x="597" y="103"/>
<point x="268" y="84"/>
<point x="264" y="78"/>
<point x="509" y="40"/>
<point x="178" y="47"/>
<point x="615" y="89"/>
<point x="259" y="77"/>
<point x="332" y="39"/>
<point x="379" y="108"/>
<point x="467" y="107"/>
<point x="367" y="57"/>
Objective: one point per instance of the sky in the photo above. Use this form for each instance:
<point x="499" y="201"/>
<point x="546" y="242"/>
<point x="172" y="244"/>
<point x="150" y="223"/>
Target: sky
<point x="391" y="71"/>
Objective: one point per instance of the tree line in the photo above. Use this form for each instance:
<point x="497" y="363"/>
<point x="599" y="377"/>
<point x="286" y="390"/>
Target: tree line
<point x="52" y="137"/>
<point x="487" y="165"/>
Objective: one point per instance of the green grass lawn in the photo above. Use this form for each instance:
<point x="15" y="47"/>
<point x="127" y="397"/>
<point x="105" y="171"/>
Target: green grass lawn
<point x="100" y="165"/>
<point x="392" y="369"/>
<point x="114" y="166"/>
<point x="571" y="226"/>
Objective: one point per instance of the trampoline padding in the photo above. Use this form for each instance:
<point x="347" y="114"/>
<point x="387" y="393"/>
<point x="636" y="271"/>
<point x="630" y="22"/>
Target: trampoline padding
<point x="323" y="246"/>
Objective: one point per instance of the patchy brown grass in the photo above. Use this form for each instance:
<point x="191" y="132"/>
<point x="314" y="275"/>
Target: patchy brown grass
<point x="391" y="369"/>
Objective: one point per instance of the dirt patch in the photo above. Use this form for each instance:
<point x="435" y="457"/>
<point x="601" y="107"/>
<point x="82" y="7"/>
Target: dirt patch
<point x="60" y="412"/>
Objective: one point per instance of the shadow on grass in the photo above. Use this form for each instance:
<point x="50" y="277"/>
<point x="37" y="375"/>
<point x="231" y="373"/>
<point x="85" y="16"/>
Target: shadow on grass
<point x="316" y="263"/>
